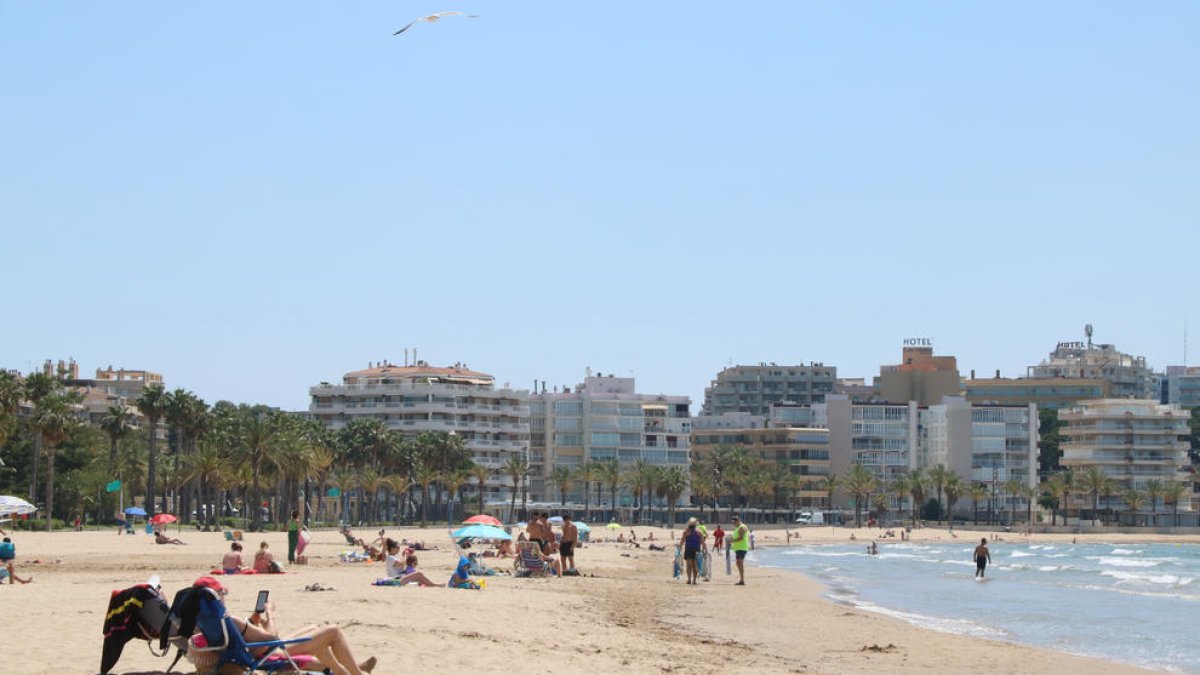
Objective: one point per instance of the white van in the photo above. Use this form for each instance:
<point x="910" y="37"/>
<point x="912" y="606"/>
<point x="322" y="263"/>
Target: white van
<point x="807" y="518"/>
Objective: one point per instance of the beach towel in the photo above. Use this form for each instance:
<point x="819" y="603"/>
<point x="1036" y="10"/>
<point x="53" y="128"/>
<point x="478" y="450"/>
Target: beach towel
<point x="302" y="543"/>
<point x="221" y="571"/>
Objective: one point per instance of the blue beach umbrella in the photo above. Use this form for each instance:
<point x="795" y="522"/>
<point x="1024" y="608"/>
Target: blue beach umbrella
<point x="480" y="532"/>
<point x="135" y="511"/>
<point x="582" y="526"/>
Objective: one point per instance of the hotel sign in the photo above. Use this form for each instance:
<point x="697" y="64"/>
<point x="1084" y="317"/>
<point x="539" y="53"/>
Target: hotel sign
<point x="918" y="342"/>
<point x="1070" y="345"/>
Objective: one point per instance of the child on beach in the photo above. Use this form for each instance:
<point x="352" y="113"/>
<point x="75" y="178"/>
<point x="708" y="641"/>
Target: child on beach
<point x="8" y="553"/>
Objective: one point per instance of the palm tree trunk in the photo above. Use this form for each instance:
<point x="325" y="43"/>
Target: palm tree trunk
<point x="50" y="452"/>
<point x="33" y="474"/>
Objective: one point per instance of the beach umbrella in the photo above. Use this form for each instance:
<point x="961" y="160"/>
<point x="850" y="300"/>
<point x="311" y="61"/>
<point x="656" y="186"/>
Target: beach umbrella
<point x="483" y="519"/>
<point x="15" y="506"/>
<point x="582" y="526"/>
<point x="480" y="532"/>
<point x="613" y="526"/>
<point x="556" y="520"/>
<point x="135" y="511"/>
<point x="162" y="518"/>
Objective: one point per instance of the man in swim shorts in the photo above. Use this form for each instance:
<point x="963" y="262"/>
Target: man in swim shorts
<point x="982" y="557"/>
<point x="566" y="548"/>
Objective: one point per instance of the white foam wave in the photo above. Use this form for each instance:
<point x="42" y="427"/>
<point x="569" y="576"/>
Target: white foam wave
<point x="1020" y="554"/>
<point x="1125" y="551"/>
<point x="956" y="626"/>
<point x="1158" y="579"/>
<point x="1126" y="562"/>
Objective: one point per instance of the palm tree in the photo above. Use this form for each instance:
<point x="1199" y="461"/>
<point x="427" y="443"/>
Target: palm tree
<point x="117" y="423"/>
<point x="609" y="473"/>
<point x="12" y="392"/>
<point x="454" y="481"/>
<point x="938" y="474"/>
<point x="1092" y="480"/>
<point x="918" y="483"/>
<point x="673" y="482"/>
<point x="37" y="386"/>
<point x="206" y="467"/>
<point x="830" y="484"/>
<point x="561" y="478"/>
<point x="641" y="477"/>
<point x="1028" y="493"/>
<point x="1109" y="489"/>
<point x="1173" y="492"/>
<point x="516" y="467"/>
<point x="1154" y="489"/>
<point x="152" y="405"/>
<point x="860" y="482"/>
<point x="425" y="475"/>
<point x="978" y="492"/>
<point x="704" y="484"/>
<point x="480" y="473"/>
<point x="586" y="473"/>
<point x="1059" y="492"/>
<point x="953" y="487"/>
<point x="260" y="431"/>
<point x="1134" y="499"/>
<point x="54" y="421"/>
<point x="1012" y="487"/>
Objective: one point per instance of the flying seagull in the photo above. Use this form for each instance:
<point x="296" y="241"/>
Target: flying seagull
<point x="432" y="18"/>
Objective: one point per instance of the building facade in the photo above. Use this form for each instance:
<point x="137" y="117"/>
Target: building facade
<point x="604" y="419"/>
<point x="1183" y="386"/>
<point x="412" y="399"/>
<point x="920" y="376"/>
<point x="1128" y="376"/>
<point x="1130" y="441"/>
<point x="753" y="389"/>
<point x="879" y="436"/>
<point x="1045" y="393"/>
<point x="803" y="452"/>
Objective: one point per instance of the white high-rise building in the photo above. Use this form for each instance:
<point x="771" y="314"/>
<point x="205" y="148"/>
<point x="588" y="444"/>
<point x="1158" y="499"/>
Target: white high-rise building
<point x="1130" y="441"/>
<point x="604" y="419"/>
<point x="412" y="399"/>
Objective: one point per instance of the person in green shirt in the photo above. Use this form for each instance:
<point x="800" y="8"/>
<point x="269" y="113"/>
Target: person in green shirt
<point x="740" y="543"/>
<point x="293" y="536"/>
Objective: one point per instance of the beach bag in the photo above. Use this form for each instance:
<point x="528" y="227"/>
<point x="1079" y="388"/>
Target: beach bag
<point x="7" y="551"/>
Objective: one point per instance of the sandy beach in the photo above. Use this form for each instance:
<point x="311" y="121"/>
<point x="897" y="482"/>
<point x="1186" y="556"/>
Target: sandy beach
<point x="625" y="614"/>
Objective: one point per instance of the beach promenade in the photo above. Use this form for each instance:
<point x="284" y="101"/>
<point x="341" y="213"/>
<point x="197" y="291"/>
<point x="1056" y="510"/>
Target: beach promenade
<point x="625" y="614"/>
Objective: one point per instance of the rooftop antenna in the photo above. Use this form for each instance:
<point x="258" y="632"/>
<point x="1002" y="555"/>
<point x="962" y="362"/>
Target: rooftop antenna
<point x="1185" y="327"/>
<point x="1087" y="330"/>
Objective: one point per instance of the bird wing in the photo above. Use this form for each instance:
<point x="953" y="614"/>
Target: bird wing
<point x="430" y="18"/>
<point x="410" y="25"/>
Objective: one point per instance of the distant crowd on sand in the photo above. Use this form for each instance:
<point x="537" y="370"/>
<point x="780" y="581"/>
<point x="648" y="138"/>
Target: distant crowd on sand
<point x="694" y="543"/>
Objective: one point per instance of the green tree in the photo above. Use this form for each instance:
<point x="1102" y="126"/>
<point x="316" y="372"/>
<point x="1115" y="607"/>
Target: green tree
<point x="561" y="477"/>
<point x="610" y="476"/>
<point x="516" y="467"/>
<point x="1059" y="492"/>
<point x="1173" y="493"/>
<point x="673" y="483"/>
<point x="953" y="487"/>
<point x="1049" y="450"/>
<point x="938" y="474"/>
<point x="54" y="420"/>
<point x="12" y="392"/>
<point x="37" y="386"/>
<point x="1134" y="499"/>
<point x="480" y="473"/>
<point x="152" y="404"/>
<point x="1012" y="487"/>
<point x="830" y="484"/>
<point x="586" y="473"/>
<point x="1154" y="489"/>
<point x="978" y="492"/>
<point x="1092" y="481"/>
<point x="918" y="485"/>
<point x="859" y="482"/>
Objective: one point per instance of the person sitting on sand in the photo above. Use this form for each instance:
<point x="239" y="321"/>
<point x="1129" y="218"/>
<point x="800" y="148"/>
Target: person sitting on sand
<point x="504" y="549"/>
<point x="264" y="561"/>
<point x="8" y="553"/>
<point x="327" y="644"/>
<point x="405" y="572"/>
<point x="161" y="538"/>
<point x="232" y="562"/>
<point x="461" y="578"/>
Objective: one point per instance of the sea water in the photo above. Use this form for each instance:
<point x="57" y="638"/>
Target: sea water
<point x="1136" y="603"/>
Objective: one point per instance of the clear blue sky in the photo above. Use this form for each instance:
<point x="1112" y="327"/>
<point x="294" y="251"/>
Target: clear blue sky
<point x="251" y="198"/>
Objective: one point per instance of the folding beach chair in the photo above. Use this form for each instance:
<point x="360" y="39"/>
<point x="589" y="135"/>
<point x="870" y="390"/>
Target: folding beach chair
<point x="218" y="645"/>
<point x="529" y="561"/>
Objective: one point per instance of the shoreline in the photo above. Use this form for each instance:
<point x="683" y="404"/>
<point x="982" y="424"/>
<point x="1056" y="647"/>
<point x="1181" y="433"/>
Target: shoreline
<point x="624" y="614"/>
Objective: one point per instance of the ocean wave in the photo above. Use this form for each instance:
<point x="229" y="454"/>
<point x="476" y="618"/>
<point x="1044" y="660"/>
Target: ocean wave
<point x="822" y="554"/>
<point x="1173" y="595"/>
<point x="1125" y="551"/>
<point x="1020" y="554"/>
<point x="1157" y="579"/>
<point x="942" y="624"/>
<point x="1125" y="562"/>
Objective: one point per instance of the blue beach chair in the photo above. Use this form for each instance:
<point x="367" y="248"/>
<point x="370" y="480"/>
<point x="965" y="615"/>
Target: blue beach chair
<point x="217" y="635"/>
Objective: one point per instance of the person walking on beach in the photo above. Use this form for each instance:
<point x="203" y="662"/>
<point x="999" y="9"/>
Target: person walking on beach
<point x="566" y="549"/>
<point x="293" y="536"/>
<point x="982" y="558"/>
<point x="718" y="538"/>
<point x="740" y="543"/>
<point x="692" y="542"/>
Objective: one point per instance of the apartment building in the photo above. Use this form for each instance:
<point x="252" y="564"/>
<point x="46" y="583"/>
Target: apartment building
<point x="920" y="376"/>
<point x="1130" y="441"/>
<point x="1183" y="386"/>
<point x="1128" y="376"/>
<point x="804" y="452"/>
<point x="753" y="389"/>
<point x="416" y="398"/>
<point x="601" y="419"/>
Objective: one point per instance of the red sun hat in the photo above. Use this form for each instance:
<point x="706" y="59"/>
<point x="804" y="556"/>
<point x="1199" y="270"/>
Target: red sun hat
<point x="210" y="582"/>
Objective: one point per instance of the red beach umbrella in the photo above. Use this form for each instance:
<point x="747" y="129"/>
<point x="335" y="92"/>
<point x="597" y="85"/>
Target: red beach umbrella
<point x="483" y="519"/>
<point x="163" y="519"/>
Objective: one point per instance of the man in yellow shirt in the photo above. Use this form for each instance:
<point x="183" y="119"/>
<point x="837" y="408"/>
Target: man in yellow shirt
<point x="740" y="543"/>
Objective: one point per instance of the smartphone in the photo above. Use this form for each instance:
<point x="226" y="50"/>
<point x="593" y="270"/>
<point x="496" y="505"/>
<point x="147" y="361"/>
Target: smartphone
<point x="261" y="605"/>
